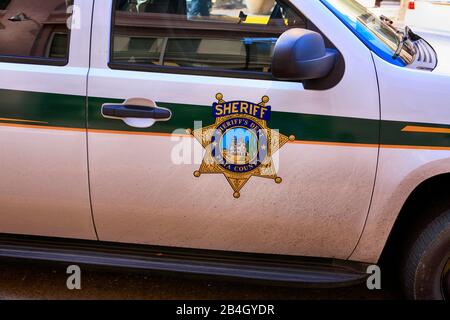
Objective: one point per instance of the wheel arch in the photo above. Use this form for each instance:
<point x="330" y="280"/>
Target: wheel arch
<point x="429" y="199"/>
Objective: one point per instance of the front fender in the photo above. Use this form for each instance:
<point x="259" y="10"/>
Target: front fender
<point x="400" y="172"/>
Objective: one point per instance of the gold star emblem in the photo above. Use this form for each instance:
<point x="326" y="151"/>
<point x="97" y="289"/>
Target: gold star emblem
<point x="239" y="144"/>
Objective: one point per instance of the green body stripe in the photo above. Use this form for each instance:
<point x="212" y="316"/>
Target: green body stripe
<point x="69" y="111"/>
<point x="303" y="126"/>
<point x="392" y="134"/>
<point x="58" y="110"/>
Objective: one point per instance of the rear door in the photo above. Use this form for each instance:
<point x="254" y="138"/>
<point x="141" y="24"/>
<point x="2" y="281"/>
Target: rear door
<point x="43" y="153"/>
<point x="175" y="61"/>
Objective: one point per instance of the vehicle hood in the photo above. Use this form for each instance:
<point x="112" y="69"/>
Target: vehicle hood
<point x="441" y="44"/>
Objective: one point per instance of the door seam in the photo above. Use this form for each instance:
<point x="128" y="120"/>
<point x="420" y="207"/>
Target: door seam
<point x="87" y="122"/>
<point x="377" y="162"/>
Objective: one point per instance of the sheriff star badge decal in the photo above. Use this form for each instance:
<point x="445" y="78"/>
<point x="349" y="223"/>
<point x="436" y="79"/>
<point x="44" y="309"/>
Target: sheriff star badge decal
<point x="239" y="144"/>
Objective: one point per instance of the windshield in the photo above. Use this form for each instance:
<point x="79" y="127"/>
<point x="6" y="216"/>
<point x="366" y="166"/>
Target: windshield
<point x="379" y="36"/>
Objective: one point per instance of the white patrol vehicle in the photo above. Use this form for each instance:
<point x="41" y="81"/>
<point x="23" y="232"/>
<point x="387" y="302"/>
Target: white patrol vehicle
<point x="293" y="141"/>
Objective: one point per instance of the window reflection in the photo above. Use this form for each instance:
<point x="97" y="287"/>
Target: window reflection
<point x="30" y="28"/>
<point x="219" y="34"/>
<point x="4" y="4"/>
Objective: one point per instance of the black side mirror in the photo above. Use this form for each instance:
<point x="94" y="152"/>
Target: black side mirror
<point x="300" y="54"/>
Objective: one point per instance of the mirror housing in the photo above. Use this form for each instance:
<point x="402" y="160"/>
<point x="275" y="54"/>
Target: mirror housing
<point x="300" y="54"/>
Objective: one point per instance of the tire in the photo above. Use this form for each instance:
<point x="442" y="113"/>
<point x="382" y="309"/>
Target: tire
<point x="426" y="267"/>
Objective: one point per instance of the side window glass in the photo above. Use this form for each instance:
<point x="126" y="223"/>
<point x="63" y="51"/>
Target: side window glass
<point x="34" y="30"/>
<point x="234" y="35"/>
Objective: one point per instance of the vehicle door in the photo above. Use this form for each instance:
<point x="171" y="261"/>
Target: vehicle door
<point x="159" y="71"/>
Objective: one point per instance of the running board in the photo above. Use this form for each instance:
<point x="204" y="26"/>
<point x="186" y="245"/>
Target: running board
<point x="299" y="271"/>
